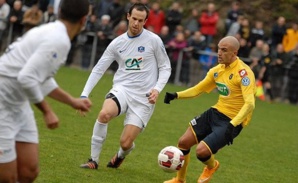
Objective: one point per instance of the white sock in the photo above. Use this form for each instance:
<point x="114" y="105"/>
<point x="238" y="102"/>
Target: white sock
<point x="98" y="138"/>
<point x="122" y="153"/>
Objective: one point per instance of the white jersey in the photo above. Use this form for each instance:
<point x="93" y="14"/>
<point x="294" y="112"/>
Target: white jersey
<point x="34" y="59"/>
<point x="143" y="64"/>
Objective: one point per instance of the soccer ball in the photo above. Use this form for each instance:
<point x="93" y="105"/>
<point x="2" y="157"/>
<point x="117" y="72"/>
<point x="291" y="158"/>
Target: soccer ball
<point x="170" y="159"/>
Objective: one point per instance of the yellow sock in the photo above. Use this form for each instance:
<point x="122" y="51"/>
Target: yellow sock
<point x="210" y="162"/>
<point x="181" y="174"/>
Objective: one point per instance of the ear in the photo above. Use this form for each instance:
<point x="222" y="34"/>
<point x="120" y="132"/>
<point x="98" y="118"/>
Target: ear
<point x="127" y="16"/>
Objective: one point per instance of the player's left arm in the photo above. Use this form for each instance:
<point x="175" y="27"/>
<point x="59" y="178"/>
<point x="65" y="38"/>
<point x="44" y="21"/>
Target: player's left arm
<point x="248" y="88"/>
<point x="163" y="64"/>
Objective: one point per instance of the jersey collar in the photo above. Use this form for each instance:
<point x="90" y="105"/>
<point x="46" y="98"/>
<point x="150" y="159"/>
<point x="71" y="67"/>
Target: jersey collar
<point x="232" y="65"/>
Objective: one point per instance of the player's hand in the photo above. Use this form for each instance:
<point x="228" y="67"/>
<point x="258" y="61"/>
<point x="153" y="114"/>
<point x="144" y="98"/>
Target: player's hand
<point x="169" y="97"/>
<point x="82" y="104"/>
<point x="229" y="134"/>
<point x="51" y="119"/>
<point x="153" y="96"/>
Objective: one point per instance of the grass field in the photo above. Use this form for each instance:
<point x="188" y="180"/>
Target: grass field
<point x="265" y="152"/>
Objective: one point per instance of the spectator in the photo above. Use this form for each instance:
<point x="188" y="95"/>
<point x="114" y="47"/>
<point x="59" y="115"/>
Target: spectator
<point x="174" y="17"/>
<point x="4" y="13"/>
<point x="120" y="28"/>
<point x="156" y="18"/>
<point x="208" y="23"/>
<point x="105" y="35"/>
<point x="129" y="4"/>
<point x="102" y="8"/>
<point x="15" y="19"/>
<point x="207" y="60"/>
<point x="293" y="78"/>
<point x="265" y="71"/>
<point x="244" y="50"/>
<point x="195" y="44"/>
<point x="44" y="4"/>
<point x="88" y="37"/>
<point x="175" y="46"/>
<point x="165" y="34"/>
<point x="27" y="4"/>
<point x="280" y="59"/>
<point x="191" y="22"/>
<point x="244" y="30"/>
<point x="233" y="15"/>
<point x="32" y="17"/>
<point x="234" y="28"/>
<point x="116" y="12"/>
<point x="255" y="55"/>
<point x="49" y="16"/>
<point x="290" y="39"/>
<point x="257" y="32"/>
<point x="278" y="31"/>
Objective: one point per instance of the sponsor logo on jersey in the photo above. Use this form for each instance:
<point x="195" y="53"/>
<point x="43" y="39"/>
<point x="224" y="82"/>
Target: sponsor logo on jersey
<point x="231" y="76"/>
<point x="245" y="81"/>
<point x="242" y="73"/>
<point x="223" y="89"/>
<point x="133" y="63"/>
<point x="141" y="49"/>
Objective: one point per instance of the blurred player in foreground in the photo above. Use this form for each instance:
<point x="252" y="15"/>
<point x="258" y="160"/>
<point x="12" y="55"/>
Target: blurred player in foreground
<point x="144" y="69"/>
<point x="219" y="125"/>
<point x="27" y="70"/>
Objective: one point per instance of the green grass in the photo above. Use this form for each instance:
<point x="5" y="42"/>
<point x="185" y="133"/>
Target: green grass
<point x="265" y="152"/>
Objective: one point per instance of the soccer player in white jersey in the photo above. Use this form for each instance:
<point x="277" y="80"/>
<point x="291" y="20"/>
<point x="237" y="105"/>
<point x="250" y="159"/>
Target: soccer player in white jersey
<point x="144" y="69"/>
<point x="26" y="76"/>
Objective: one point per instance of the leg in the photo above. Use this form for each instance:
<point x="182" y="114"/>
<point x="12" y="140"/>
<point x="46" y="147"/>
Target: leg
<point x="27" y="161"/>
<point x="186" y="141"/>
<point x="109" y="110"/>
<point x="129" y="134"/>
<point x="8" y="172"/>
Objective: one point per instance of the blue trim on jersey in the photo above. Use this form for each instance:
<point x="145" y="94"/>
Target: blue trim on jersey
<point x="134" y="36"/>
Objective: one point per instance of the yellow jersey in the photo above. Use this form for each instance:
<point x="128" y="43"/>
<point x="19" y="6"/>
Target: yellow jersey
<point x="236" y="87"/>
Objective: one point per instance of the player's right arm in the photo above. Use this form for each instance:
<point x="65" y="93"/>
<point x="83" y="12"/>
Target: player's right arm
<point x="99" y="69"/>
<point x="206" y="85"/>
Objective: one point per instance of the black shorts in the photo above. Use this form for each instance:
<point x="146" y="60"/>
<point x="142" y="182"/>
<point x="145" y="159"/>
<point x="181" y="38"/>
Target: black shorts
<point x="210" y="127"/>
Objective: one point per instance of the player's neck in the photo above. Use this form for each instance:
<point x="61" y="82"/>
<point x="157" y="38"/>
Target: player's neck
<point x="72" y="29"/>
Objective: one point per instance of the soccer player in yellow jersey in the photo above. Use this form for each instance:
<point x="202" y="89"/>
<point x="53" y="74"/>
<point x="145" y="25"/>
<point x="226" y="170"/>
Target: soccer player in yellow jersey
<point x="219" y="125"/>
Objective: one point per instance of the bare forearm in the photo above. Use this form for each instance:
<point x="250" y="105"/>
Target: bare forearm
<point x="61" y="96"/>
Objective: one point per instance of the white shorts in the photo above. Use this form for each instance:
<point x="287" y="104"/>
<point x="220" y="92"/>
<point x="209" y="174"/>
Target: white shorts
<point x="17" y="124"/>
<point x="137" y="108"/>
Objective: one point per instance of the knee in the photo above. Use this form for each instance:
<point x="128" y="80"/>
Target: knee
<point x="28" y="174"/>
<point x="183" y="143"/>
<point x="104" y="116"/>
<point x="202" y="151"/>
<point x="126" y="144"/>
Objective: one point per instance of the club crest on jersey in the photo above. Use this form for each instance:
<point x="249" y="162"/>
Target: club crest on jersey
<point x="242" y="73"/>
<point x="231" y="76"/>
<point x="215" y="75"/>
<point x="245" y="81"/>
<point x="141" y="49"/>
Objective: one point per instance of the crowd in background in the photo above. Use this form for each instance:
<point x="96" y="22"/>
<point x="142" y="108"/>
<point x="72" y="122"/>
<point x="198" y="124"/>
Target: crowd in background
<point x="273" y="57"/>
